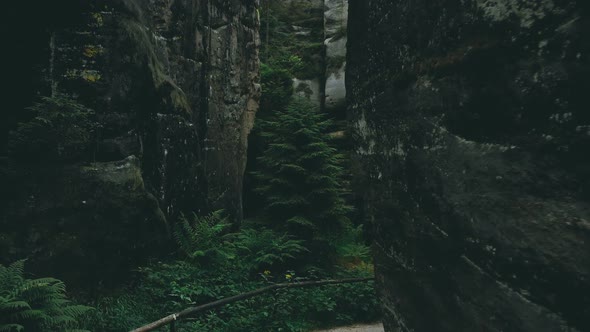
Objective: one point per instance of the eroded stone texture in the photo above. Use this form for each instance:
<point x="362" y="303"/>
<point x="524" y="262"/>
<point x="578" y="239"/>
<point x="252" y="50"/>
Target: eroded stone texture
<point x="233" y="100"/>
<point x="335" y="26"/>
<point x="471" y="122"/>
<point x="174" y="84"/>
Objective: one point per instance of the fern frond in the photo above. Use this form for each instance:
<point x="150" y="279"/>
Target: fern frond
<point x="18" y="267"/>
<point x="11" y="276"/>
<point x="39" y="303"/>
<point x="14" y="306"/>
<point x="61" y="320"/>
<point x="301" y="221"/>
<point x="76" y="310"/>
<point x="28" y="315"/>
<point x="11" y="328"/>
<point x="202" y="235"/>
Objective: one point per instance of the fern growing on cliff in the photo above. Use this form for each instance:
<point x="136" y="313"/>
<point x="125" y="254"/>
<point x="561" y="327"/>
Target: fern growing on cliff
<point x="299" y="177"/>
<point x="35" y="304"/>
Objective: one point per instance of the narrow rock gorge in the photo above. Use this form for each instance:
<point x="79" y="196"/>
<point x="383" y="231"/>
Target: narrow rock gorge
<point x="450" y="139"/>
<point x="471" y="123"/>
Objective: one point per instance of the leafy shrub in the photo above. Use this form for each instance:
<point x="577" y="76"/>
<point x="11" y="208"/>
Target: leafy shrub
<point x="236" y="263"/>
<point x="351" y="249"/>
<point x="35" y="304"/>
<point x="171" y="287"/>
<point x="60" y="129"/>
<point x="203" y="241"/>
<point x="261" y="249"/>
<point x="200" y="238"/>
<point x="219" y="265"/>
<point x="122" y="312"/>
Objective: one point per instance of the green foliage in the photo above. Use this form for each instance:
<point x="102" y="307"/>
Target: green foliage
<point x="262" y="248"/>
<point x="35" y="304"/>
<point x="251" y="258"/>
<point x="351" y="248"/>
<point x="299" y="177"/>
<point x="301" y="56"/>
<point x="277" y="87"/>
<point x="59" y="129"/>
<point x="170" y="287"/>
<point x="332" y="305"/>
<point x="203" y="241"/>
<point x="121" y="312"/>
<point x="200" y="238"/>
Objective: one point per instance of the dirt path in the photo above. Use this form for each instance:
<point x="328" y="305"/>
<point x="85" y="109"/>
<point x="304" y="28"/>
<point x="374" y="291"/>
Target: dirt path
<point x="357" y="328"/>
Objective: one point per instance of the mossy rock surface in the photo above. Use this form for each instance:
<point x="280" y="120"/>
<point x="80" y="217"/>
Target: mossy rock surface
<point x="76" y="218"/>
<point x="471" y="129"/>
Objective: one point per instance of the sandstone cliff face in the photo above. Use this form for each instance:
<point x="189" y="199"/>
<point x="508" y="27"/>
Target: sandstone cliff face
<point x="472" y="124"/>
<point x="335" y="26"/>
<point x="174" y="85"/>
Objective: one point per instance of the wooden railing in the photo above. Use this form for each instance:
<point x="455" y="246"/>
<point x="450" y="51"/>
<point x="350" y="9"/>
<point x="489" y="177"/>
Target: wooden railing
<point x="173" y="318"/>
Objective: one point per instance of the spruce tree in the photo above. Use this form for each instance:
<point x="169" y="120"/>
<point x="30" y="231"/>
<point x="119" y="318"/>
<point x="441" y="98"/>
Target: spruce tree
<point x="299" y="177"/>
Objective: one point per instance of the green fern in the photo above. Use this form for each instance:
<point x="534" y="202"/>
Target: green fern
<point x="263" y="248"/>
<point x="204" y="239"/>
<point x="35" y="304"/>
<point x="11" y="328"/>
<point x="201" y="237"/>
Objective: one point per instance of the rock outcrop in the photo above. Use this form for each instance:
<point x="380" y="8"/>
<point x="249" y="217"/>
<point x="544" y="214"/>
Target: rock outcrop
<point x="472" y="125"/>
<point x="335" y="26"/>
<point x="174" y="89"/>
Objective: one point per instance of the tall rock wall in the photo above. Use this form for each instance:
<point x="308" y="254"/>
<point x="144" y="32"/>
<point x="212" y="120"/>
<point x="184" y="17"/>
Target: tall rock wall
<point x="233" y="99"/>
<point x="174" y="87"/>
<point x="472" y="125"/>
